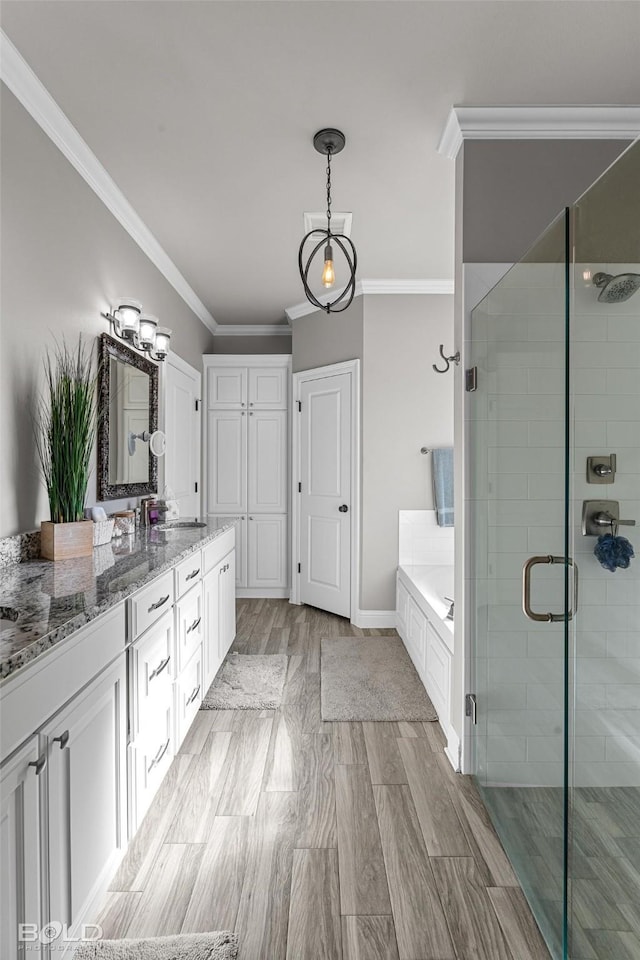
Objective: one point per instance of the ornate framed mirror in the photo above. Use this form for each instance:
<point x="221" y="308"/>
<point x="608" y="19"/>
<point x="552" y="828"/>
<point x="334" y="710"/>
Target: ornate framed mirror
<point x="127" y="408"/>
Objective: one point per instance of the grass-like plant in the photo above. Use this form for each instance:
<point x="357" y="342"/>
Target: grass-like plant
<point x="66" y="429"/>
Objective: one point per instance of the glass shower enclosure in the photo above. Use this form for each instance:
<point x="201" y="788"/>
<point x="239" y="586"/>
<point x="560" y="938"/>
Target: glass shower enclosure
<point x="553" y="490"/>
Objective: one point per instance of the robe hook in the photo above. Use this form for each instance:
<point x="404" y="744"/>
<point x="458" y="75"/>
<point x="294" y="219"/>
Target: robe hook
<point x="448" y="360"/>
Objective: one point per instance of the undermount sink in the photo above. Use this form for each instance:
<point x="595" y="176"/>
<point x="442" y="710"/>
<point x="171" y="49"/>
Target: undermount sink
<point x="179" y="525"/>
<point x="8" y="618"/>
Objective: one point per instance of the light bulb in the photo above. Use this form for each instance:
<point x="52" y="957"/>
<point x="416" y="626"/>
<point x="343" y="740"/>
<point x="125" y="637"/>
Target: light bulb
<point x="163" y="338"/>
<point x="126" y="313"/>
<point x="147" y="331"/>
<point x="328" y="274"/>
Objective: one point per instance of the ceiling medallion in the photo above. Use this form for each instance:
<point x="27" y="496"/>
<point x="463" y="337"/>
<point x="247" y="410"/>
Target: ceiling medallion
<point x="329" y="142"/>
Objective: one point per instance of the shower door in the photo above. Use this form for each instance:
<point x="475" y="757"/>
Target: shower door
<point x="518" y="501"/>
<point x="557" y="669"/>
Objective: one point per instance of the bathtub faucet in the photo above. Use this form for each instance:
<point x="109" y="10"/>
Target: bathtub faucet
<point x="449" y="616"/>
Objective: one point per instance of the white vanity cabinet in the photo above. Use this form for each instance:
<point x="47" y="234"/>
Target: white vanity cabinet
<point x="63" y="782"/>
<point x="86" y="795"/>
<point x="246" y="464"/>
<point x="219" y="594"/>
<point x="21" y="860"/>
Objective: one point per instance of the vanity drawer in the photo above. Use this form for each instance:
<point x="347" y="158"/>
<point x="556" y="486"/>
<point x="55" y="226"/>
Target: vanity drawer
<point x="188" y="573"/>
<point x="152" y="660"/>
<point x="189" y="625"/>
<point x="189" y="694"/>
<point x="218" y="548"/>
<point x="148" y="605"/>
<point x="150" y="757"/>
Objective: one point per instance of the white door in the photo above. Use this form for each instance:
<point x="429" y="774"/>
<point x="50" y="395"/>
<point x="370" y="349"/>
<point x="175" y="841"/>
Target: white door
<point x="325" y="495"/>
<point x="227" y="387"/>
<point x="182" y="427"/>
<point x="226" y="461"/>
<point x="267" y="461"/>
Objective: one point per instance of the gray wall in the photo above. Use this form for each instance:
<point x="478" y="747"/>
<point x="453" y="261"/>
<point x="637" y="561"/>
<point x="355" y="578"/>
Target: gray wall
<point x="64" y="258"/>
<point x="405" y="405"/>
<point x="267" y="344"/>
<point x="321" y="338"/>
<point x="513" y="189"/>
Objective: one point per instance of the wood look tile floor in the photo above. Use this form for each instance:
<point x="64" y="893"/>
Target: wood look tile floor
<point x="316" y="840"/>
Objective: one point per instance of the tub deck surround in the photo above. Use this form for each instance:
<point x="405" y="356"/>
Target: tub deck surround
<point x="53" y="600"/>
<point x="433" y="582"/>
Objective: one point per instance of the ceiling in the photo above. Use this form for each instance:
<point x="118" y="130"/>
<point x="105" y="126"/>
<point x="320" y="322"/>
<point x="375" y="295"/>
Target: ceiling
<point x="203" y="112"/>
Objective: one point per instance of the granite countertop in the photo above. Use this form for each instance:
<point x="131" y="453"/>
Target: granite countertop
<point x="53" y="599"/>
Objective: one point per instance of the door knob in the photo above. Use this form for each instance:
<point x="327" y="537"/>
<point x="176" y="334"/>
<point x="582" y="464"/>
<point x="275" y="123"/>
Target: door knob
<point x="344" y="508"/>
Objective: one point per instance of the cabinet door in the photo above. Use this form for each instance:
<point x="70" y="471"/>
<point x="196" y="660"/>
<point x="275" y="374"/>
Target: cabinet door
<point x="150" y="756"/>
<point x="240" y="523"/>
<point x="20" y="860"/>
<point x="227" y="461"/>
<point x="268" y="388"/>
<point x="227" y="387"/>
<point x="416" y="636"/>
<point x="227" y="604"/>
<point x="211" y="658"/>
<point x="267" y="551"/>
<point x="86" y="744"/>
<point x="267" y="463"/>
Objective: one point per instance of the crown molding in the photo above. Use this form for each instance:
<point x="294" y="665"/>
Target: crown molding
<point x="37" y="101"/>
<point x="253" y="330"/>
<point x="538" y="123"/>
<point x="375" y="288"/>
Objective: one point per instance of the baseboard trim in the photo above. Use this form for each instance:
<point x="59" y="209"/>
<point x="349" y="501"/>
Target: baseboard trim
<point x="374" y="619"/>
<point x="452" y="749"/>
<point x="262" y="593"/>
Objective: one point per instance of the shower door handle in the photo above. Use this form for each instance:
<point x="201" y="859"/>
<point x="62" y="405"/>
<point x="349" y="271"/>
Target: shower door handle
<point x="526" y="590"/>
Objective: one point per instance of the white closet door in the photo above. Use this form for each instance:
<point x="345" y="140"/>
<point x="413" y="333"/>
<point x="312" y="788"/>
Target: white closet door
<point x="267" y="549"/>
<point x="325" y="473"/>
<point x="227" y="387"/>
<point x="268" y="461"/>
<point x="227" y="461"/>
<point x="182" y="427"/>
<point x="268" y="388"/>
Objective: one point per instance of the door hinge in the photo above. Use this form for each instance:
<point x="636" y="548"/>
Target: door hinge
<point x="299" y="488"/>
<point x="197" y="405"/>
<point x="471" y="379"/>
<point x="299" y="406"/>
<point x="471" y="707"/>
<point x="299" y="568"/>
<point x="195" y="487"/>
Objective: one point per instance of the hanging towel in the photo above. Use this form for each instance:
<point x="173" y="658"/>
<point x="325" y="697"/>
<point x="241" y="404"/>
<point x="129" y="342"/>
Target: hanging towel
<point x="443" y="485"/>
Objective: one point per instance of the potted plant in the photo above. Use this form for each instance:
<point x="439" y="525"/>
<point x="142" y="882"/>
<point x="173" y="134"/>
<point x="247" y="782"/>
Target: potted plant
<point x="65" y="437"/>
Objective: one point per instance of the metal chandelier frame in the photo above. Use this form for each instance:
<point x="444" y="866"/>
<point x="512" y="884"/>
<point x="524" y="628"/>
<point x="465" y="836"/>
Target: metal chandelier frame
<point x="329" y="142"/>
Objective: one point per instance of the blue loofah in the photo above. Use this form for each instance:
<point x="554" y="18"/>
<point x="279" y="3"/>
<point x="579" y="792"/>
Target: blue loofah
<point x="613" y="552"/>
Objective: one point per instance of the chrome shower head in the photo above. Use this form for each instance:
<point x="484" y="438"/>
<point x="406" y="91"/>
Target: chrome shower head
<point x="616" y="289"/>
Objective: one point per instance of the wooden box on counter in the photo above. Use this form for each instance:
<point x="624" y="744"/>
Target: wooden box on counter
<point x="63" y="541"/>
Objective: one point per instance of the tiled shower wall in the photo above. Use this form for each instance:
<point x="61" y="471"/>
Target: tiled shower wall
<point x="515" y="497"/>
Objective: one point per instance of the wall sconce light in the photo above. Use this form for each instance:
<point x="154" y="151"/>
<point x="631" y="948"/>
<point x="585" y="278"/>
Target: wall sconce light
<point x="139" y="329"/>
<point x="329" y="142"/>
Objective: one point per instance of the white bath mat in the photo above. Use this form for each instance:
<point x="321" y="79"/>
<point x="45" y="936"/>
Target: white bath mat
<point x="190" y="946"/>
<point x="248" y="682"/>
<point x="371" y="678"/>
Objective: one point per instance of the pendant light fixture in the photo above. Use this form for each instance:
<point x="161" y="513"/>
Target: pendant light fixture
<point x="329" y="142"/>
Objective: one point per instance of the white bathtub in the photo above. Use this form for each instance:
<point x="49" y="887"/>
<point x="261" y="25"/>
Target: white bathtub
<point x="433" y="582"/>
<point x="421" y="611"/>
